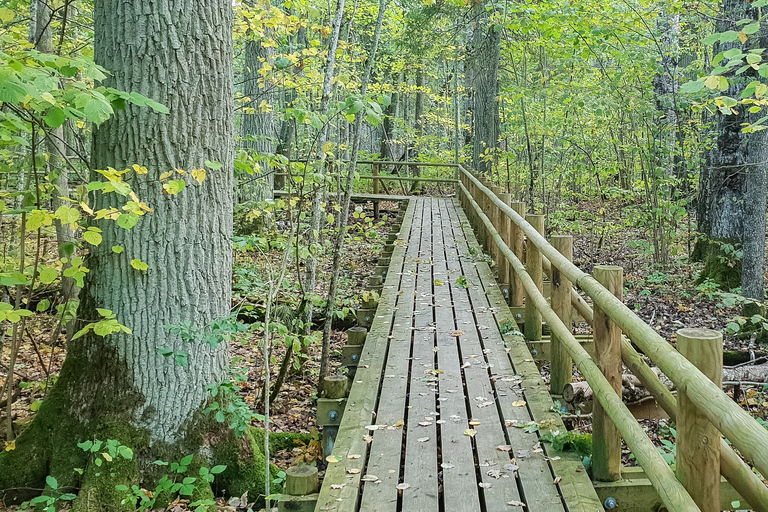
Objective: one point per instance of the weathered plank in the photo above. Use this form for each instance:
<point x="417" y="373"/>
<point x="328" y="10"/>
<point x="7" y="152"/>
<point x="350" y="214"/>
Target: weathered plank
<point x="535" y="475"/>
<point x="574" y="486"/>
<point x="421" y="438"/>
<point x="460" y="489"/>
<point x="499" y="485"/>
<point x="338" y="492"/>
<point x="386" y="448"/>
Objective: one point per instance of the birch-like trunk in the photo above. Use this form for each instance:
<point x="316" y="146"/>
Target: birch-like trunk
<point x="343" y="215"/>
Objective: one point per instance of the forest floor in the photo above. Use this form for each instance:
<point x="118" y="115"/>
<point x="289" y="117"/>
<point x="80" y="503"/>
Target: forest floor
<point x="664" y="296"/>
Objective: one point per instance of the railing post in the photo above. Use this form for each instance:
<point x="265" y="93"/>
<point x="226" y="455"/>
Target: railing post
<point x="505" y="269"/>
<point x="561" y="365"/>
<point x="533" y="265"/>
<point x="518" y="247"/>
<point x="698" y="440"/>
<point x="495" y="214"/>
<point x="376" y="184"/>
<point x="482" y="200"/>
<point x="606" y="440"/>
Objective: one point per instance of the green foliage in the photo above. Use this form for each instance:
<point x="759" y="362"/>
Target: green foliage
<point x="579" y="442"/>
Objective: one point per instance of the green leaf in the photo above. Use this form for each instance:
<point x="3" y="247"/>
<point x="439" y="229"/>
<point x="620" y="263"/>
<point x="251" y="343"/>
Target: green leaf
<point x="186" y="461"/>
<point x="97" y="111"/>
<point x="92" y="237"/>
<point x="218" y="469"/>
<point x="55" y="117"/>
<point x="47" y="274"/>
<point x="174" y="186"/>
<point x="117" y="249"/>
<point x="43" y="305"/>
<point x="51" y="482"/>
<point x="751" y="28"/>
<point x="213" y="165"/>
<point x="127" y="221"/>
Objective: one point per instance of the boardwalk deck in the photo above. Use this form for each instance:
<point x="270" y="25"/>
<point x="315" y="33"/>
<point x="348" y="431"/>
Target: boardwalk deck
<point x="433" y="421"/>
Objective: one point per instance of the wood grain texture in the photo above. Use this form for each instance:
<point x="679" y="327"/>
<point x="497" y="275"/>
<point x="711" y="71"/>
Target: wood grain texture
<point x="698" y="440"/>
<point x="606" y="440"/>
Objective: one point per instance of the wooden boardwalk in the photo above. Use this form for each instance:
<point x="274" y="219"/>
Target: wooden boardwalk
<point x="444" y="410"/>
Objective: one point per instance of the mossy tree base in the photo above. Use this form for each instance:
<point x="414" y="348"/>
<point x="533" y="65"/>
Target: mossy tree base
<point x="719" y="267"/>
<point x="49" y="448"/>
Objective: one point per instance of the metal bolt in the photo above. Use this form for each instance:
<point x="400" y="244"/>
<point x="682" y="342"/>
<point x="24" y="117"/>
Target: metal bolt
<point x="333" y="415"/>
<point x="609" y="504"/>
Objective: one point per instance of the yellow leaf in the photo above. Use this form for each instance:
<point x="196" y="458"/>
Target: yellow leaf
<point x="87" y="209"/>
<point x="518" y="403"/>
<point x="470" y="432"/>
<point x="181" y="171"/>
<point x="6" y="15"/>
<point x="198" y="174"/>
<point x="107" y="457"/>
<point x="742" y="37"/>
<point x="12" y="445"/>
<point x="712" y="82"/>
<point x="332" y="459"/>
<point x="140" y="169"/>
<point x="166" y="175"/>
<point x="133" y="196"/>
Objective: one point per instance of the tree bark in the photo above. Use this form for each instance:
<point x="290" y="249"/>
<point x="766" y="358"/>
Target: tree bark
<point x="258" y="127"/>
<point x="485" y="69"/>
<point x="119" y="386"/>
<point x="731" y="207"/>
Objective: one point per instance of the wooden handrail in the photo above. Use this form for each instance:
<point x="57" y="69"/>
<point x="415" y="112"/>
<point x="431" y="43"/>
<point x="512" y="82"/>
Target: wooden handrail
<point x="670" y="490"/>
<point x="737" y="425"/>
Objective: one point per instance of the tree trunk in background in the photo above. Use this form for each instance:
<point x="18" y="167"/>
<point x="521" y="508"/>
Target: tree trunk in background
<point x="54" y="141"/>
<point x="119" y="386"/>
<point x="310" y="275"/>
<point x="418" y="123"/>
<point x="665" y="86"/>
<point x="484" y="67"/>
<point x="258" y="128"/>
<point x="731" y="206"/>
<point x="388" y="128"/>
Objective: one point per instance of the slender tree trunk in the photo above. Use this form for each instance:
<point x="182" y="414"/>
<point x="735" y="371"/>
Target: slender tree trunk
<point x="341" y="235"/>
<point x="310" y="279"/>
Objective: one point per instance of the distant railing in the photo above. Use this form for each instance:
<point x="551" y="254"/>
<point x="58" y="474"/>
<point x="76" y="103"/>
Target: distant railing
<point x="702" y="410"/>
<point x="379" y="179"/>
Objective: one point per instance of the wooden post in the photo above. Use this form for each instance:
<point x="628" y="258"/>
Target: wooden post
<point x="300" y="491"/>
<point x="698" y="440"/>
<point x="356" y="335"/>
<point x="334" y="389"/>
<point x="301" y="480"/>
<point x="505" y="269"/>
<point x="518" y="247"/>
<point x="375" y="172"/>
<point x="533" y="265"/>
<point x="495" y="216"/>
<point x="561" y="366"/>
<point x="606" y="440"/>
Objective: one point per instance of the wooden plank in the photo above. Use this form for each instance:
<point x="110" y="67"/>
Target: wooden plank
<point x="500" y="484"/>
<point x="363" y="396"/>
<point x="421" y="438"/>
<point x="574" y="486"/>
<point x="386" y="448"/>
<point x="535" y="475"/>
<point x="460" y="489"/>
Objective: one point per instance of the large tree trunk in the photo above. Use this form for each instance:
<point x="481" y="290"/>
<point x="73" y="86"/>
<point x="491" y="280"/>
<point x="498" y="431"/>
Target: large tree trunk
<point x="485" y="69"/>
<point x="119" y="386"/>
<point x="731" y="207"/>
